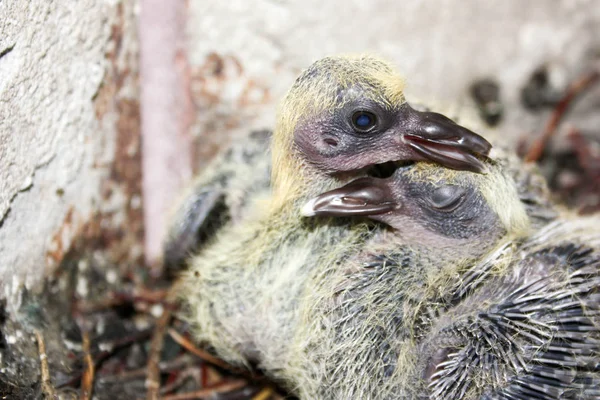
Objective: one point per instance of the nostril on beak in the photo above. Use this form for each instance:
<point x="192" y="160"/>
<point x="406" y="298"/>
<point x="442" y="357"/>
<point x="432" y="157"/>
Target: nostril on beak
<point x="331" y="142"/>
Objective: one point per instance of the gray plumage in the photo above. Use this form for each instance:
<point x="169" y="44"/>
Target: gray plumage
<point x="530" y="332"/>
<point x="224" y="194"/>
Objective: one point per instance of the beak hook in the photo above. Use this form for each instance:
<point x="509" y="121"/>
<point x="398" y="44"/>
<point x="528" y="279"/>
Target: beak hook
<point x="362" y="197"/>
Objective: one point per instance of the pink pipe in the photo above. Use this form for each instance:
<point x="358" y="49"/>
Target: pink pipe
<point x="166" y="115"/>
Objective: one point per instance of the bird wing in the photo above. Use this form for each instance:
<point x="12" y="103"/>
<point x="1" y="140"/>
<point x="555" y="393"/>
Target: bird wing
<point x="223" y="194"/>
<point x="534" y="331"/>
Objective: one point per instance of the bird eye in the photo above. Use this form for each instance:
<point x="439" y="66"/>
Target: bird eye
<point x="364" y="121"/>
<point x="447" y="198"/>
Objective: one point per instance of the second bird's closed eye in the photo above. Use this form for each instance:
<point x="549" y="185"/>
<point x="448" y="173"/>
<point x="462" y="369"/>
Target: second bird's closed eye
<point x="447" y="198"/>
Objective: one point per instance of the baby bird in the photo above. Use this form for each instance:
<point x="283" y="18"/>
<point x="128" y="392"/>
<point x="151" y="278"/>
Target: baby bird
<point x="246" y="293"/>
<point x="519" y="322"/>
<point x="368" y="311"/>
<point x="332" y="315"/>
<point x="344" y="117"/>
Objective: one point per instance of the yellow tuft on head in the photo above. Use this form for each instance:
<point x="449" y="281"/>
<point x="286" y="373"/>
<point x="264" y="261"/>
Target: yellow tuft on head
<point x="501" y="194"/>
<point x="325" y="86"/>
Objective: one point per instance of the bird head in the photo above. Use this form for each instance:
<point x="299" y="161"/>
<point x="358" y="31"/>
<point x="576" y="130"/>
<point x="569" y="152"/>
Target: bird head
<point x="432" y="206"/>
<point x="346" y="117"/>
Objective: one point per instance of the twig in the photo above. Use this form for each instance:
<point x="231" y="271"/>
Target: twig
<point x="47" y="387"/>
<point x="151" y="295"/>
<point x="165" y="366"/>
<point x="193" y="372"/>
<point x="126" y="375"/>
<point x="134" y="296"/>
<point x="209" y="358"/>
<point x="575" y="89"/>
<point x="589" y="162"/>
<point x="156" y="345"/>
<point x="87" y="380"/>
<point x="209" y="392"/>
<point x="264" y="394"/>
<point x="110" y="301"/>
<point x="590" y="182"/>
<point x="103" y="355"/>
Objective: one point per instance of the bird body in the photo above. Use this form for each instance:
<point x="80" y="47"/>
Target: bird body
<point x="334" y="306"/>
<point x="517" y="320"/>
<point x="365" y="339"/>
<point x="256" y="320"/>
<point x="515" y="317"/>
<point x="320" y="307"/>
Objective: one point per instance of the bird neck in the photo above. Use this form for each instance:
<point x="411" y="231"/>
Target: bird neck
<point x="431" y="273"/>
<point x="286" y="231"/>
<point x="294" y="182"/>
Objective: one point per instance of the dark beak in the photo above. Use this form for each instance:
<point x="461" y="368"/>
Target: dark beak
<point x="362" y="197"/>
<point x="435" y="137"/>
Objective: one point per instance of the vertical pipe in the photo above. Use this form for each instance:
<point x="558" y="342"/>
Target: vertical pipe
<point x="166" y="115"/>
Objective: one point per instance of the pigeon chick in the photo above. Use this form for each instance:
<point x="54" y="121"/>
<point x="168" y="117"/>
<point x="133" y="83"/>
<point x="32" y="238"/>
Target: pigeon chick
<point x="365" y="312"/>
<point x="517" y="318"/>
<point x="344" y="118"/>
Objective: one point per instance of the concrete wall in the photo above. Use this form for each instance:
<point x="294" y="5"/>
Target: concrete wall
<point x="69" y="133"/>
